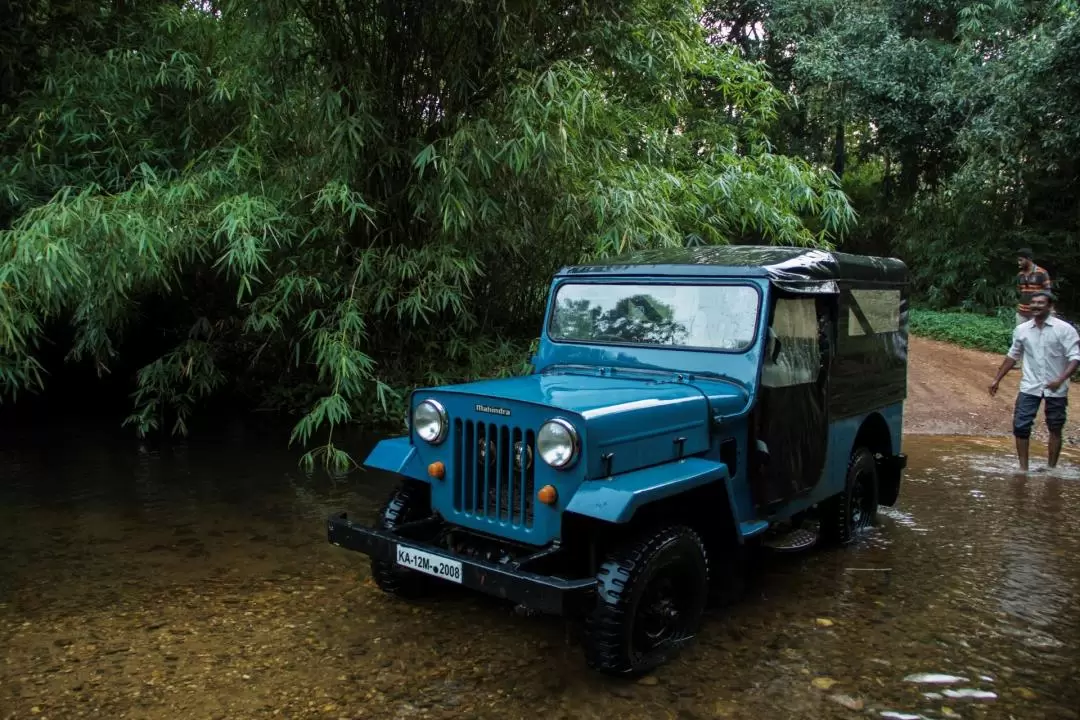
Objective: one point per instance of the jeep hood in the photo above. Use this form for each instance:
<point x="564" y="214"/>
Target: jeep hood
<point x="636" y="420"/>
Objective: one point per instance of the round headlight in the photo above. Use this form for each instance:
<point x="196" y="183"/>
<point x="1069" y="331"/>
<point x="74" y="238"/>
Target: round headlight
<point x="429" y="419"/>
<point x="557" y="443"/>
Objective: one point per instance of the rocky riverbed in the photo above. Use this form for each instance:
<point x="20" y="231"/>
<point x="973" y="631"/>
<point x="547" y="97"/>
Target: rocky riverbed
<point x="195" y="581"/>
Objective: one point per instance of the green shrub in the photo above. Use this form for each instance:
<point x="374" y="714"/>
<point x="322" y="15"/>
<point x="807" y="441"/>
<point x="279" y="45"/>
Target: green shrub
<point x="967" y="329"/>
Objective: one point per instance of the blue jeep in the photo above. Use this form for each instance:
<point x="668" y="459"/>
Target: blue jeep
<point x="684" y="406"/>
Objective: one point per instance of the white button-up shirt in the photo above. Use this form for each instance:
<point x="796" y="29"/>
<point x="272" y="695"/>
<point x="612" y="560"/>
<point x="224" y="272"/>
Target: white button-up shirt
<point x="1045" y="353"/>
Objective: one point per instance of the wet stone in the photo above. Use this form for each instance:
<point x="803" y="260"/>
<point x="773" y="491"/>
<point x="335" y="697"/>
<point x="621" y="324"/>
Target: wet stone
<point x="848" y="702"/>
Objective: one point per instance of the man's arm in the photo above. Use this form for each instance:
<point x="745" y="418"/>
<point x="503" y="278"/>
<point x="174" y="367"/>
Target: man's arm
<point x="1006" y="365"/>
<point x="1014" y="354"/>
<point x="1059" y="381"/>
<point x="1072" y="352"/>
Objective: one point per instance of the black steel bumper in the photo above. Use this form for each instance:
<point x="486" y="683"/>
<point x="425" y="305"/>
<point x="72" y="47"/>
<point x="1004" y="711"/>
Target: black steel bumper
<point x="541" y="593"/>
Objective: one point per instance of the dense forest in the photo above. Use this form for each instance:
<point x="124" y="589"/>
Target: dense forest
<point x="312" y="205"/>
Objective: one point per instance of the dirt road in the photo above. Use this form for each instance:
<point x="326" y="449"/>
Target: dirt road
<point x="947" y="393"/>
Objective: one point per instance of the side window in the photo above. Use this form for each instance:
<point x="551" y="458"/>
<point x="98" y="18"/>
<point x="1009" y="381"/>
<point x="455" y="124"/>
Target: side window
<point x="871" y="312"/>
<point x="794" y="332"/>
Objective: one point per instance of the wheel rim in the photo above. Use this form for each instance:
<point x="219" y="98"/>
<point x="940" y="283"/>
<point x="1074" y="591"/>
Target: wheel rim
<point x="666" y="609"/>
<point x="861" y="500"/>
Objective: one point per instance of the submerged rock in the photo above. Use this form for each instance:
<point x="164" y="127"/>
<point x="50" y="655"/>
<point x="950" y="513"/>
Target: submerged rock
<point x="847" y="701"/>
<point x="934" y="678"/>
<point x="971" y="693"/>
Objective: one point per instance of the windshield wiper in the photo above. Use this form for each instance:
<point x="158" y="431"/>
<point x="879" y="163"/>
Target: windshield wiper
<point x="561" y="367"/>
<point x="599" y="370"/>
<point x="718" y="376"/>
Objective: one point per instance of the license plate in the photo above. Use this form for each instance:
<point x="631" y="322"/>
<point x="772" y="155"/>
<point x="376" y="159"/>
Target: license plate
<point x="428" y="563"/>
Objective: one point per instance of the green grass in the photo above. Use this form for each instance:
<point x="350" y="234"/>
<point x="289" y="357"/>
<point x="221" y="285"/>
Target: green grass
<point x="967" y="329"/>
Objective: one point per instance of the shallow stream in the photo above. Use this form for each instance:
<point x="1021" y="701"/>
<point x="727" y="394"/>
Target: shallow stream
<point x="195" y="581"/>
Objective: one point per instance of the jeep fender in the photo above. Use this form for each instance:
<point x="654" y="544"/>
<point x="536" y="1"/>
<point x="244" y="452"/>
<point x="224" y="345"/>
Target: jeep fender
<point x="616" y="499"/>
<point x="397" y="455"/>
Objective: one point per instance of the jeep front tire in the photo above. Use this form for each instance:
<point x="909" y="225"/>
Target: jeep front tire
<point x="651" y="595"/>
<point x="409" y="502"/>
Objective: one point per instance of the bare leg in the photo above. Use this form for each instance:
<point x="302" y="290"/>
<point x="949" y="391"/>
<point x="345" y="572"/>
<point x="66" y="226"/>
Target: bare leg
<point x="1054" y="450"/>
<point x="1022" y="445"/>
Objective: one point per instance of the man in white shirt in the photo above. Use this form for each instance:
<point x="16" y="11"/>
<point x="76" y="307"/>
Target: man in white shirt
<point x="1050" y="349"/>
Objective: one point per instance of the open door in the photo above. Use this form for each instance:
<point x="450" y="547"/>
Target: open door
<point x="791" y="420"/>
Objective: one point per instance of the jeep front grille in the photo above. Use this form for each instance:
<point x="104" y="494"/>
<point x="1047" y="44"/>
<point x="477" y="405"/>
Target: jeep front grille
<point x="493" y="472"/>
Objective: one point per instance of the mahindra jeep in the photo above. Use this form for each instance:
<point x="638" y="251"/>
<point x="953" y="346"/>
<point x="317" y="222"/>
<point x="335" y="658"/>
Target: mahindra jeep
<point x="683" y="406"/>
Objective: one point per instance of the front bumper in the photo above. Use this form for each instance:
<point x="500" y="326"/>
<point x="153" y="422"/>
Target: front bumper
<point x="542" y="593"/>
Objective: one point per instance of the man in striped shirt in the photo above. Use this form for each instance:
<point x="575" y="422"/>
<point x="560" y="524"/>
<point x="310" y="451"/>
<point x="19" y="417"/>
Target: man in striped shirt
<point x="1030" y="279"/>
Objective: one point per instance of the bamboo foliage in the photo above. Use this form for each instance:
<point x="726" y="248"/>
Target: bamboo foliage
<point x="359" y="197"/>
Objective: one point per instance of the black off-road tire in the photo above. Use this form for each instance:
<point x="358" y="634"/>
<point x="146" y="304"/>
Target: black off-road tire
<point x="659" y="579"/>
<point x="845" y="515"/>
<point x="409" y="502"/>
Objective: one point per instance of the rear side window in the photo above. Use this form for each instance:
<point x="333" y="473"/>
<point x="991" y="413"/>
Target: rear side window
<point x="879" y="311"/>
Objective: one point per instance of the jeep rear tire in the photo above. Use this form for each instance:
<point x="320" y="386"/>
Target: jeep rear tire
<point x="845" y="515"/>
<point x="410" y="501"/>
<point x="651" y="595"/>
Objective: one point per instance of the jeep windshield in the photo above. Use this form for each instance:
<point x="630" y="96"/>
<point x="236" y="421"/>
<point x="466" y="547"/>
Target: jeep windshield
<point x="709" y="317"/>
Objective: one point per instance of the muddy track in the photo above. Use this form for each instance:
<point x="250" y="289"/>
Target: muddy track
<point x="947" y="394"/>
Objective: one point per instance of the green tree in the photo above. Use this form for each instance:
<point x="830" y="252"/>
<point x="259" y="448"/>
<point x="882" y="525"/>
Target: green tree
<point x="1019" y="184"/>
<point x="948" y="122"/>
<point x="356" y="197"/>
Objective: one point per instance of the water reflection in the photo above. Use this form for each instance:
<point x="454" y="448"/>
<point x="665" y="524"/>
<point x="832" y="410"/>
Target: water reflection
<point x="194" y="580"/>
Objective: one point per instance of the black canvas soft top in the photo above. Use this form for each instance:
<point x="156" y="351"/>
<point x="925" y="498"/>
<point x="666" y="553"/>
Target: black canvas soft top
<point x="791" y="268"/>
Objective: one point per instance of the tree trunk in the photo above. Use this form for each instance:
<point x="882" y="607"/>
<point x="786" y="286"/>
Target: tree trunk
<point x="839" y="151"/>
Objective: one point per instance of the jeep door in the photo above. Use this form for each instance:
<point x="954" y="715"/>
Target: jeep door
<point x="791" y="419"/>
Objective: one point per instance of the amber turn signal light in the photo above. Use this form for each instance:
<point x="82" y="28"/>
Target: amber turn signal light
<point x="547" y="495"/>
<point x="436" y="470"/>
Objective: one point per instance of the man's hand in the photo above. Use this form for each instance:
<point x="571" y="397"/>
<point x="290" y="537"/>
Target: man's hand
<point x="1006" y="365"/>
<point x="1055" y="384"/>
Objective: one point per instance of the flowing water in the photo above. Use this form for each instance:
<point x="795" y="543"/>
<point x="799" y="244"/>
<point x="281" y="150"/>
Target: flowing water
<point x="195" y="581"/>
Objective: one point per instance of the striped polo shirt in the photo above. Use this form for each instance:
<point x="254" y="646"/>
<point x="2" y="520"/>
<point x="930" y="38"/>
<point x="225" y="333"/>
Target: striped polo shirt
<point x="1028" y="283"/>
